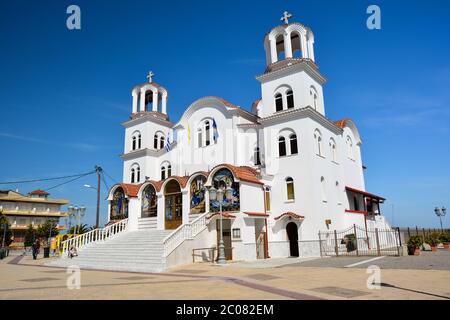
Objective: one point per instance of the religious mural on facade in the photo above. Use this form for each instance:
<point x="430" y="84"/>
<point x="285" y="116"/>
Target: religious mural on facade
<point x="224" y="179"/>
<point x="119" y="205"/>
<point x="149" y="202"/>
<point x="198" y="195"/>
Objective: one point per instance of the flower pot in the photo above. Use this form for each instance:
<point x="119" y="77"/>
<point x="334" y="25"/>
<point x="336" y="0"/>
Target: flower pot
<point x="446" y="245"/>
<point x="417" y="251"/>
<point x="434" y="248"/>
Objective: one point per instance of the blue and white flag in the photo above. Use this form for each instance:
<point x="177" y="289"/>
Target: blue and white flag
<point x="215" y="131"/>
<point x="168" y="147"/>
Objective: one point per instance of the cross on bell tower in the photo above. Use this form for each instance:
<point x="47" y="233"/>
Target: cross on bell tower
<point x="285" y="17"/>
<point x="150" y="75"/>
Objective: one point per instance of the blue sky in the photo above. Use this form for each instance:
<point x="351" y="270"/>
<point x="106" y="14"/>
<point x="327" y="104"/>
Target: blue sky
<point x="64" y="93"/>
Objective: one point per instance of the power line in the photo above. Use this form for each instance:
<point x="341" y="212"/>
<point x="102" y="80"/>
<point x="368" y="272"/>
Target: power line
<point x="46" y="179"/>
<point x="112" y="179"/>
<point x="63" y="183"/>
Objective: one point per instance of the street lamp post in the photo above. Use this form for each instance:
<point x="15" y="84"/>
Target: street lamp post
<point x="79" y="212"/>
<point x="99" y="171"/>
<point x="440" y="212"/>
<point x="218" y="195"/>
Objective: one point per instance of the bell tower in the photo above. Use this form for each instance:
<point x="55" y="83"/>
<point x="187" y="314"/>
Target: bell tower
<point x="149" y="97"/>
<point x="291" y="79"/>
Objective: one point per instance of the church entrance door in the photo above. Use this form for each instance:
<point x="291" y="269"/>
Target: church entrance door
<point x="292" y="233"/>
<point x="173" y="205"/>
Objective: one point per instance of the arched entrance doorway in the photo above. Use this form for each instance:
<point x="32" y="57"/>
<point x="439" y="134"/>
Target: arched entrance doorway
<point x="292" y="233"/>
<point x="173" y="205"/>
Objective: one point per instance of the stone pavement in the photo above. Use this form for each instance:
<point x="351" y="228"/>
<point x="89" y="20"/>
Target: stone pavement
<point x="28" y="279"/>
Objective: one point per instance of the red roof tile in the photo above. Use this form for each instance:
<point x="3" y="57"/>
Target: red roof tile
<point x="40" y="191"/>
<point x="291" y="215"/>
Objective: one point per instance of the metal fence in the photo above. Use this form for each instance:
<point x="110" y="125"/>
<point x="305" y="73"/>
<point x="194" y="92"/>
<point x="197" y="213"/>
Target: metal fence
<point x="407" y="232"/>
<point x="357" y="241"/>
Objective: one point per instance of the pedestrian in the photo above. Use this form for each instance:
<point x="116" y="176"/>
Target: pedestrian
<point x="34" y="249"/>
<point x="72" y="252"/>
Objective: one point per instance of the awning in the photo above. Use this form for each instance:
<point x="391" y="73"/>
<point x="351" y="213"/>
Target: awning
<point x="225" y="215"/>
<point x="257" y="214"/>
<point x="290" y="215"/>
<point x="365" y="194"/>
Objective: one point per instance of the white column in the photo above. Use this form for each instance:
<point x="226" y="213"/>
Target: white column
<point x="287" y="46"/>
<point x="186" y="206"/>
<point x="142" y="108"/>
<point x="155" y="100"/>
<point x="311" y="49"/>
<point x="267" y="49"/>
<point x="161" y="212"/>
<point x="304" y="48"/>
<point x="273" y="50"/>
<point x="135" y="99"/>
<point x="164" y="103"/>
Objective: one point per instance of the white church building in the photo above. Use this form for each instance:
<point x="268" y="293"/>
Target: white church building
<point x="288" y="171"/>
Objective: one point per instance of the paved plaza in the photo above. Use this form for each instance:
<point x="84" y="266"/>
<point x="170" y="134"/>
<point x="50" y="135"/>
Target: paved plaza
<point x="424" y="277"/>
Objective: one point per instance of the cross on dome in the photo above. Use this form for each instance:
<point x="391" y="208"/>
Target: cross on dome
<point x="285" y="17"/>
<point x="150" y="76"/>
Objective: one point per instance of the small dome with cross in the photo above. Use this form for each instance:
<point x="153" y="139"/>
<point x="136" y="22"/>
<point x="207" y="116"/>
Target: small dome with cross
<point x="289" y="41"/>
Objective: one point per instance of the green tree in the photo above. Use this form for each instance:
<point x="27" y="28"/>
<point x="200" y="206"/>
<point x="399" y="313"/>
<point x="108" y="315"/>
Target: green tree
<point x="79" y="229"/>
<point x="30" y="236"/>
<point x="43" y="231"/>
<point x="4" y="230"/>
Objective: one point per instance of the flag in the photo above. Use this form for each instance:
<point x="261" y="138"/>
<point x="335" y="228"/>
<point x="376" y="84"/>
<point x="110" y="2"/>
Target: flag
<point x="189" y="133"/>
<point x="215" y="131"/>
<point x="168" y="142"/>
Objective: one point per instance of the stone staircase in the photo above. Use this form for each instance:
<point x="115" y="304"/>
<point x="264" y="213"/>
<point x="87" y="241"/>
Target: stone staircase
<point x="139" y="251"/>
<point x="147" y="223"/>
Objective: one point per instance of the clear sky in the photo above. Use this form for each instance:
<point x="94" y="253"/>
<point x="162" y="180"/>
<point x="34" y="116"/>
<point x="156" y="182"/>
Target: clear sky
<point x="64" y="93"/>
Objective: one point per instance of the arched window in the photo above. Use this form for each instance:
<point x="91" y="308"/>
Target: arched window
<point x="132" y="175"/>
<point x="295" y="44"/>
<point x="199" y="137"/>
<point x="118" y="205"/>
<point x="149" y="206"/>
<point x="163" y="172"/>
<point x="290" y="99"/>
<point x="169" y="171"/>
<point x="280" y="47"/>
<point x="333" y="150"/>
<point x="133" y="143"/>
<point x="281" y="146"/>
<point x="138" y="174"/>
<point x="223" y="178"/>
<point x="318" y="138"/>
<point x="290" y="188"/>
<point x="198" y="194"/>
<point x="161" y="142"/>
<point x="207" y="133"/>
<point x="293" y="143"/>
<point x="323" y="189"/>
<point x="257" y="159"/>
<point x="139" y="141"/>
<point x="313" y="94"/>
<point x="350" y="153"/>
<point x="278" y="102"/>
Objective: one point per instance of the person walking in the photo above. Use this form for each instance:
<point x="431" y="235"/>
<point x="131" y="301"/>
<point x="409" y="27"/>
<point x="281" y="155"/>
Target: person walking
<point x="34" y="249"/>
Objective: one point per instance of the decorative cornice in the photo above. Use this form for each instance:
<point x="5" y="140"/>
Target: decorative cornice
<point x="306" y="112"/>
<point x="141" y="117"/>
<point x="296" y="66"/>
<point x="146" y="152"/>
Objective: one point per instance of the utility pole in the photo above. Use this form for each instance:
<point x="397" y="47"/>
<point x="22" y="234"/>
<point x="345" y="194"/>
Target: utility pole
<point x="99" y="170"/>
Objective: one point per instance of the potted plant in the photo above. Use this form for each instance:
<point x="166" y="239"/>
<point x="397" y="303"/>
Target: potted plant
<point x="433" y="240"/>
<point x="444" y="237"/>
<point x="414" y="244"/>
<point x="350" y="242"/>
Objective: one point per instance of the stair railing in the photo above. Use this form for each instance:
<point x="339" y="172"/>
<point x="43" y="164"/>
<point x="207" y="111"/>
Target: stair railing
<point x="95" y="235"/>
<point x="182" y="233"/>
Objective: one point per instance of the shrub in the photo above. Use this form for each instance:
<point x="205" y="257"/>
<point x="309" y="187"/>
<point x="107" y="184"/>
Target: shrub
<point x="444" y="237"/>
<point x="432" y="239"/>
<point x="415" y="241"/>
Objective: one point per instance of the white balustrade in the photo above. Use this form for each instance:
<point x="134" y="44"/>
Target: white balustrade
<point x="182" y="233"/>
<point x="94" y="236"/>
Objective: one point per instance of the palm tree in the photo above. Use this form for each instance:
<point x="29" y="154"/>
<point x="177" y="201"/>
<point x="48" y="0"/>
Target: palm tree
<point x="79" y="229"/>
